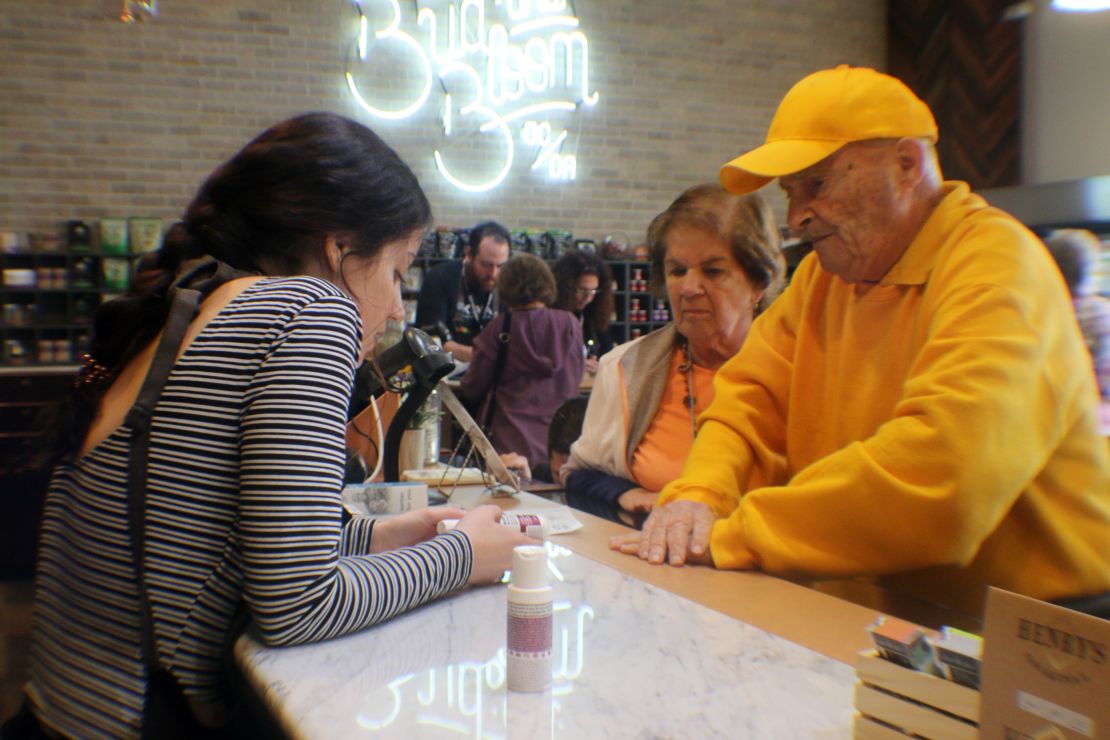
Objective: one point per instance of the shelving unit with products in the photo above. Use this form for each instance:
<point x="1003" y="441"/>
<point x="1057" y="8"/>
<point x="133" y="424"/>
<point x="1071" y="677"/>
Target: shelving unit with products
<point x="49" y="292"/>
<point x="636" y="310"/>
<point x="47" y="301"/>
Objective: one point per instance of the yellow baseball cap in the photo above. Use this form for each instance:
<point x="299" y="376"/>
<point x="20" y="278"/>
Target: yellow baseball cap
<point x="822" y="113"/>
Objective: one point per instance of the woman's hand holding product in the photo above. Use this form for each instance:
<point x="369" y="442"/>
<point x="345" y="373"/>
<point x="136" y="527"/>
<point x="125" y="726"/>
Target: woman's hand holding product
<point x="410" y="528"/>
<point x="492" y="543"/>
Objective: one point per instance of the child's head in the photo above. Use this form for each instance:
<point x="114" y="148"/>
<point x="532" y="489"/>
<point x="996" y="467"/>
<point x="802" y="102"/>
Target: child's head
<point x="566" y="426"/>
<point x="1076" y="252"/>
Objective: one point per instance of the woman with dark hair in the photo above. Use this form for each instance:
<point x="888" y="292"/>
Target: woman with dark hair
<point x="294" y="250"/>
<point x="585" y="288"/>
<point x="540" y="361"/>
<point x="718" y="257"/>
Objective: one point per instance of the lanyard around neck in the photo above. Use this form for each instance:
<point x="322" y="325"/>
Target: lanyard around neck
<point x="479" y="316"/>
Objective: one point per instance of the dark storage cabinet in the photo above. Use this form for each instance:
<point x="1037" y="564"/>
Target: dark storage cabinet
<point x="23" y="395"/>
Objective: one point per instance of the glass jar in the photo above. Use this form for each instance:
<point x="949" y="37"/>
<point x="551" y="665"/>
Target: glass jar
<point x="434" y="406"/>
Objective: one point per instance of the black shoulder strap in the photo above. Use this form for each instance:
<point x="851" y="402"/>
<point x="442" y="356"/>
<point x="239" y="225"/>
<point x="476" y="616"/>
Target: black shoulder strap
<point x="194" y="280"/>
<point x="182" y="310"/>
<point x="498" y="366"/>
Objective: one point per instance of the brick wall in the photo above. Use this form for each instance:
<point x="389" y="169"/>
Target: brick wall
<point x="99" y="118"/>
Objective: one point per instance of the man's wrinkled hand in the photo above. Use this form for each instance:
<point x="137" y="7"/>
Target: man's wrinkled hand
<point x="677" y="533"/>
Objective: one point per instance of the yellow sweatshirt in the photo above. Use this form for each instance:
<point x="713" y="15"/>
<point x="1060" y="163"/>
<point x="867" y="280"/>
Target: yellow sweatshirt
<point x="937" y="429"/>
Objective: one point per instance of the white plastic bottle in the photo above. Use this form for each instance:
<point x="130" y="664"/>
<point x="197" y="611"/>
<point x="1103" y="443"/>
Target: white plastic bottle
<point x="535" y="526"/>
<point x="530" y="621"/>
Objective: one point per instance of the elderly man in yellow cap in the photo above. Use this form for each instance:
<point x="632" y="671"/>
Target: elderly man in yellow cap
<point x="914" y="407"/>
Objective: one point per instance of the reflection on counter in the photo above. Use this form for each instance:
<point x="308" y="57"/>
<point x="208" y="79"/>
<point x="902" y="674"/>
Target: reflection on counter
<point x="629" y="659"/>
<point x="469" y="697"/>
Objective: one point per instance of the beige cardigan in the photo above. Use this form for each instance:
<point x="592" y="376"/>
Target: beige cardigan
<point x="629" y="385"/>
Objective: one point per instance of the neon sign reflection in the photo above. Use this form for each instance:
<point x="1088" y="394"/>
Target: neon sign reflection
<point x="470" y="697"/>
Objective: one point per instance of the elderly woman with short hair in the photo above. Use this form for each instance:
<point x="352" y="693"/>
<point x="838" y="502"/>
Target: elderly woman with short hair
<point x="718" y="256"/>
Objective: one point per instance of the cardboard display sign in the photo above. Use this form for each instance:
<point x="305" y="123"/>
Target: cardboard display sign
<point x="1046" y="671"/>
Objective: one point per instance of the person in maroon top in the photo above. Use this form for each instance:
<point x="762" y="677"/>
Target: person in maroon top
<point x="543" y="361"/>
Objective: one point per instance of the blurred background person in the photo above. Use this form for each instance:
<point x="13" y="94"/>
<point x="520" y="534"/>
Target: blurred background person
<point x="1077" y="253"/>
<point x="525" y="363"/>
<point x="457" y="298"/>
<point x="585" y="288"/>
<point x="718" y="256"/>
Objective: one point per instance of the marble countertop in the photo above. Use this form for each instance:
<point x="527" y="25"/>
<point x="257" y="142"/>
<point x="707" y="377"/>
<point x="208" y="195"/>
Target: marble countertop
<point x="631" y="660"/>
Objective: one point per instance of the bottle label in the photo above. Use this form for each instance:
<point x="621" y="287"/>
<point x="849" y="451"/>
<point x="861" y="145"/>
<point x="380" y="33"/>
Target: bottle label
<point x="529" y="646"/>
<point x="529" y="524"/>
<point x="530" y="629"/>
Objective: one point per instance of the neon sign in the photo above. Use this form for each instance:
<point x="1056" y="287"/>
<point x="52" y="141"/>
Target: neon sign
<point x="508" y="72"/>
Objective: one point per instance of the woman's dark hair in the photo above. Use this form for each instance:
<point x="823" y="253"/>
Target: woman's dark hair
<point x="525" y="279"/>
<point x="1076" y="252"/>
<point x="744" y="222"/>
<point x="568" y="269"/>
<point x="267" y="210"/>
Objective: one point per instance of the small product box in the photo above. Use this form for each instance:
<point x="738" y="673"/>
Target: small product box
<point x="82" y="272"/>
<point x="144" y="234"/>
<point x="370" y="498"/>
<point x="113" y="235"/>
<point x="115" y="272"/>
<point x="78" y="236"/>
<point x="960" y="655"/>
<point x="903" y="643"/>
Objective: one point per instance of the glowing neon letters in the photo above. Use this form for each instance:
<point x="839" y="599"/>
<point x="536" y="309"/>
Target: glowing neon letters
<point x="497" y="62"/>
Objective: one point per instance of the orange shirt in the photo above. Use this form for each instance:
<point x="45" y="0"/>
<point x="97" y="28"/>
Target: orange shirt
<point x="662" y="452"/>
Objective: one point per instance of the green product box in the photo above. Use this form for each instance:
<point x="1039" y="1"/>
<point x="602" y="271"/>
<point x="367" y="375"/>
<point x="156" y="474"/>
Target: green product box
<point x="113" y="235"/>
<point x="145" y="234"/>
<point x="116" y="272"/>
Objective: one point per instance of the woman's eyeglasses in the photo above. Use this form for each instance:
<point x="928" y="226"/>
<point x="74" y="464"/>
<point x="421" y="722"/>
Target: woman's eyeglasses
<point x="586" y="291"/>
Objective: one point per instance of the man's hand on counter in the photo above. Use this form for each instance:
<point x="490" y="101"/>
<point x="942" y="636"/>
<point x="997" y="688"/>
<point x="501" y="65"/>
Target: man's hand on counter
<point x="677" y="533"/>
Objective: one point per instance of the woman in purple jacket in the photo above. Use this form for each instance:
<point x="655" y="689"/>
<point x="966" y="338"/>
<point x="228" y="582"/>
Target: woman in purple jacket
<point x="542" y="365"/>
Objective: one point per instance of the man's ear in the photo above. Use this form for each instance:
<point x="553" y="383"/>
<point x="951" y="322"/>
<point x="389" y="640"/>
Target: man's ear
<point x="910" y="156"/>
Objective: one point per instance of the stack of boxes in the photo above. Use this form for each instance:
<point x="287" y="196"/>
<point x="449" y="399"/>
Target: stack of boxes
<point x="918" y="684"/>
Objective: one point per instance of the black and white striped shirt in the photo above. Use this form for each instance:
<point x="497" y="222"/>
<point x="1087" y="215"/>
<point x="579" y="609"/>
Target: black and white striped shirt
<point x="243" y="503"/>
